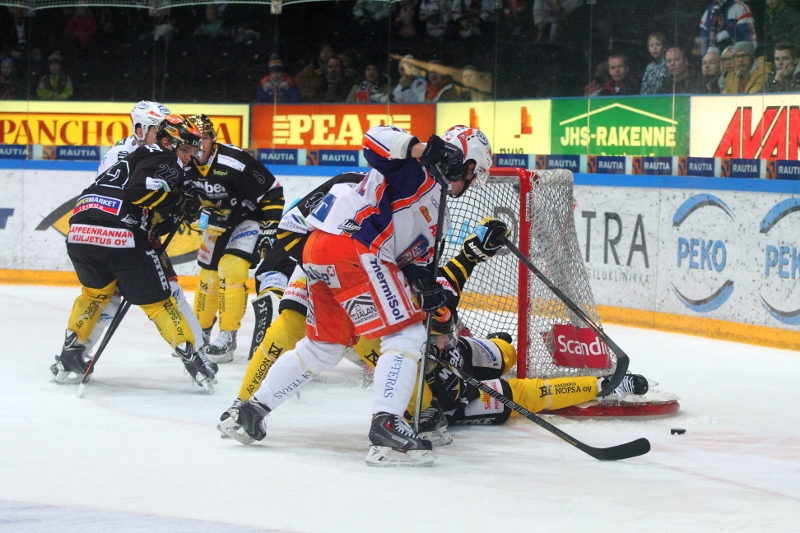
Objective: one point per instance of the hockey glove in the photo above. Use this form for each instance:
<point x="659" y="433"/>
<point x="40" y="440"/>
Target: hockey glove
<point x="444" y="161"/>
<point x="486" y="240"/>
<point x="429" y="294"/>
<point x="189" y="205"/>
<point x="214" y="222"/>
<point x="266" y="236"/>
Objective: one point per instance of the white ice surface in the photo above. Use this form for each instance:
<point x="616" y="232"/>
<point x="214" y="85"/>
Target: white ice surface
<point x="140" y="452"/>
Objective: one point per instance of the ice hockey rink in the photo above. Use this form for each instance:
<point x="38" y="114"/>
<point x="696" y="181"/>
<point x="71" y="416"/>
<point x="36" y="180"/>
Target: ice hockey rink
<point x="140" y="451"/>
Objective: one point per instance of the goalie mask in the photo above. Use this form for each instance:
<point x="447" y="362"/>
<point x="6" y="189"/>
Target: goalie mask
<point x="147" y="115"/>
<point x="476" y="149"/>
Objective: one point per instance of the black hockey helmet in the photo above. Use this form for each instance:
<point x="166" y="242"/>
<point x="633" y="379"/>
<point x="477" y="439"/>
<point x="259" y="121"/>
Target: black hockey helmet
<point x="179" y="130"/>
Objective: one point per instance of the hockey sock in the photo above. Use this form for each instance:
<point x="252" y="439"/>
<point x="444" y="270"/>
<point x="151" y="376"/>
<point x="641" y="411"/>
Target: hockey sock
<point x="233" y="273"/>
<point x="282" y="335"/>
<point x="538" y="394"/>
<point x="186" y="309"/>
<point x="395" y="375"/>
<point x="106" y="316"/>
<point x="86" y="310"/>
<point x="206" y="299"/>
<point x="169" y="320"/>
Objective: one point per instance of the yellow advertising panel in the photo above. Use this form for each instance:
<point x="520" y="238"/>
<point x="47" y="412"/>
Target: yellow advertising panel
<point x="103" y="123"/>
<point x="746" y="127"/>
<point x="515" y="127"/>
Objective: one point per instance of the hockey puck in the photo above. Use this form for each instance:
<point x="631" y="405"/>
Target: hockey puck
<point x="677" y="431"/>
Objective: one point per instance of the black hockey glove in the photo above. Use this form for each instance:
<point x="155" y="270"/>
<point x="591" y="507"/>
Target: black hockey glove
<point x="486" y="240"/>
<point x="189" y="205"/>
<point x="444" y="161"/>
<point x="429" y="294"/>
<point x="266" y="236"/>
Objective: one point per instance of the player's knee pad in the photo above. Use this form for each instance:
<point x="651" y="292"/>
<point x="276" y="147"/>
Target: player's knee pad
<point x="169" y="320"/>
<point x="368" y="350"/>
<point x="317" y="357"/>
<point x="206" y="299"/>
<point x="87" y="309"/>
<point x="409" y="341"/>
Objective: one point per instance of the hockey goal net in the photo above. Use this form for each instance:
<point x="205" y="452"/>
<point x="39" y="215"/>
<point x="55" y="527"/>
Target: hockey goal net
<point x="501" y="295"/>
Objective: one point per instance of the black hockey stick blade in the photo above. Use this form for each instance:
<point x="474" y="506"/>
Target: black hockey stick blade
<point x="627" y="450"/>
<point x="622" y="358"/>
<point x="262" y="308"/>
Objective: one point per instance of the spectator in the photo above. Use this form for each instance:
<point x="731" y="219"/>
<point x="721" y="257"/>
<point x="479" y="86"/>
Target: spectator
<point x="410" y="89"/>
<point x="11" y="87"/>
<point x="551" y="12"/>
<point x="20" y="38"/>
<point x="781" y="25"/>
<point x="471" y="15"/>
<point x="621" y="82"/>
<point x="404" y="20"/>
<point x="680" y="79"/>
<point x="476" y="86"/>
<point x="440" y="86"/>
<point x="335" y="88"/>
<point x="749" y="73"/>
<point x="711" y="71"/>
<point x="81" y="27"/>
<point x="726" y="65"/>
<point x="368" y="12"/>
<point x="437" y="16"/>
<point x="600" y="78"/>
<point x="656" y="70"/>
<point x="56" y="85"/>
<point x="349" y="71"/>
<point x="312" y="78"/>
<point x="373" y="87"/>
<point x="786" y="77"/>
<point x="212" y="27"/>
<point x="165" y="26"/>
<point x="277" y="87"/>
<point x="727" y="22"/>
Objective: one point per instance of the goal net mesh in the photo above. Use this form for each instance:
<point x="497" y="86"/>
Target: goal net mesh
<point x="538" y="207"/>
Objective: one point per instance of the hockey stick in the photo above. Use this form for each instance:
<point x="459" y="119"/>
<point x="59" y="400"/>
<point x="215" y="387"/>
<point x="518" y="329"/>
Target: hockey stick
<point x="630" y="449"/>
<point x="429" y="319"/>
<point x="622" y="359"/>
<point x="121" y="311"/>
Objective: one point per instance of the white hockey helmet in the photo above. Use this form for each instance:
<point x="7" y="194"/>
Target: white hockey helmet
<point x="147" y="115"/>
<point x="475" y="146"/>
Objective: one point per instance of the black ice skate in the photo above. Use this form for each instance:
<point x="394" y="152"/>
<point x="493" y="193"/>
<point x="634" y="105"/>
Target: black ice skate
<point x="200" y="369"/>
<point x="232" y="411"/>
<point x="433" y="425"/>
<point x="630" y="384"/>
<point x="70" y="365"/>
<point x="221" y="350"/>
<point x="249" y="424"/>
<point x="395" y="444"/>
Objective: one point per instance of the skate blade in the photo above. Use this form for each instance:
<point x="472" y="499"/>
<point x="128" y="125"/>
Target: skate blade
<point x="232" y="430"/>
<point x="438" y="437"/>
<point x="385" y="456"/>
<point x="222" y="358"/>
<point x="68" y="378"/>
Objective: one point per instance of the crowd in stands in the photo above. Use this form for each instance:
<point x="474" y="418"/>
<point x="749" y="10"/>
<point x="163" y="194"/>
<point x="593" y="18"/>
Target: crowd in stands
<point x="409" y="51"/>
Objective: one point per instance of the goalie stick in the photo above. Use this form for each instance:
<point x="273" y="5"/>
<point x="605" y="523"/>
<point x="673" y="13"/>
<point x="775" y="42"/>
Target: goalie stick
<point x="622" y="359"/>
<point x="121" y="311"/>
<point x="627" y="450"/>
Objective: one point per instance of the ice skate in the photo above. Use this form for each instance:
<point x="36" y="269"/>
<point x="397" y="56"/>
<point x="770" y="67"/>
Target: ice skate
<point x="232" y="411"/>
<point x="248" y="424"/>
<point x="221" y="350"/>
<point x="433" y="425"/>
<point x="394" y="443"/>
<point x="70" y="365"/>
<point x="200" y="369"/>
<point x="630" y="384"/>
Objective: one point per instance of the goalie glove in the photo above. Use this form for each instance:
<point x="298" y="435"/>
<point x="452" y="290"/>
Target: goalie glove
<point x="444" y="161"/>
<point x="214" y="222"/>
<point x="429" y="294"/>
<point x="486" y="240"/>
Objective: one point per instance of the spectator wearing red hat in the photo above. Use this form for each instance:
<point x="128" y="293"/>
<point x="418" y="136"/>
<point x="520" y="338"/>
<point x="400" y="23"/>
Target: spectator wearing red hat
<point x="277" y="87"/>
<point x="56" y="85"/>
